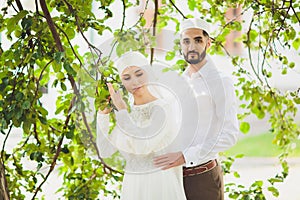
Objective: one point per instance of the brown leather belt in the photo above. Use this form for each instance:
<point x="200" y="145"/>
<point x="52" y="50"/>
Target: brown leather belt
<point x="199" y="169"/>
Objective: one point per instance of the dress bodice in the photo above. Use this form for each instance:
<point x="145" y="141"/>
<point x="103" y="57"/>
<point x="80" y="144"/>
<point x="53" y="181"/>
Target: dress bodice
<point x="139" y="135"/>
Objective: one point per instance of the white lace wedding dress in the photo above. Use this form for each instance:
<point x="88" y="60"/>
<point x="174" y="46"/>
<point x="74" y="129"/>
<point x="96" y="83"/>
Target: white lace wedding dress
<point x="145" y="132"/>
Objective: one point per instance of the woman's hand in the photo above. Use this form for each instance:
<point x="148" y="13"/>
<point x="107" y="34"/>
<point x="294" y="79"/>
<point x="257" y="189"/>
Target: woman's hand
<point x="105" y="111"/>
<point x="116" y="98"/>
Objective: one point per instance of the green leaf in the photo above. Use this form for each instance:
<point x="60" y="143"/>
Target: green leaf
<point x="143" y="21"/>
<point x="26" y="104"/>
<point x="297" y="100"/>
<point x="296" y="43"/>
<point x="236" y="174"/>
<point x="192" y="4"/>
<point x="244" y="127"/>
<point x="43" y="111"/>
<point x="70" y="134"/>
<point x="239" y="156"/>
<point x="291" y="65"/>
<point x="257" y="183"/>
<point x="170" y="55"/>
<point x="26" y="23"/>
<point x="43" y="120"/>
<point x="70" y="32"/>
<point x="275" y="180"/>
<point x="65" y="149"/>
<point x="12" y="22"/>
<point x="69" y="69"/>
<point x="56" y="66"/>
<point x="19" y="96"/>
<point x="58" y="56"/>
<point x="274" y="191"/>
<point x="60" y="75"/>
<point x="213" y="10"/>
<point x="253" y="35"/>
<point x="284" y="71"/>
<point x="63" y="86"/>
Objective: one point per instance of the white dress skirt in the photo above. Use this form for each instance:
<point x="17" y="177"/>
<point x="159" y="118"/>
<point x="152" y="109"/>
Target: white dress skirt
<point x="147" y="131"/>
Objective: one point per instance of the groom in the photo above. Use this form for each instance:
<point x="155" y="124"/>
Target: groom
<point x="203" y="177"/>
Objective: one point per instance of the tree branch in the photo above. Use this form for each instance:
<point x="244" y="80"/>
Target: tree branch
<point x="39" y="79"/>
<point x="141" y="15"/>
<point x="4" y="193"/>
<point x="154" y="27"/>
<point x="58" y="150"/>
<point x="124" y="16"/>
<point x="173" y="4"/>
<point x="51" y="25"/>
<point x="91" y="137"/>
<point x="249" y="51"/>
<point x="4" y="189"/>
<point x="295" y="13"/>
<point x="19" y="5"/>
<point x="71" y="9"/>
<point x="36" y="6"/>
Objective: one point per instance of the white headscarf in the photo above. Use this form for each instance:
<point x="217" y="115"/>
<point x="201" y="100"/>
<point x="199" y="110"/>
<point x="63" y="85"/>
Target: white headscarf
<point x="135" y="58"/>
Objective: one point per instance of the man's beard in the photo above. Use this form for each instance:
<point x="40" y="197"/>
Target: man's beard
<point x="199" y="58"/>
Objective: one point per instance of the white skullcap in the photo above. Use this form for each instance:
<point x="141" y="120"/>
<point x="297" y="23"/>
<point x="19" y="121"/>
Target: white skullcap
<point x="195" y="23"/>
<point x="132" y="58"/>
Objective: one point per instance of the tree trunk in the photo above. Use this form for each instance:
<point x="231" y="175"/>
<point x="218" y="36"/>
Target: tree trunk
<point x="4" y="194"/>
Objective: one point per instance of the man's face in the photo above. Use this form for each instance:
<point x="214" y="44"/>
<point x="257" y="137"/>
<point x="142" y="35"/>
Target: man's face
<point x="194" y="44"/>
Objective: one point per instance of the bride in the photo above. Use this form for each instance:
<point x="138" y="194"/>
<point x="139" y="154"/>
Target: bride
<point x="141" y="134"/>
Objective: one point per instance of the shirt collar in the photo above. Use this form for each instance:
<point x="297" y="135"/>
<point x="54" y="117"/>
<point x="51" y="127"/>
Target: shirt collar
<point x="205" y="69"/>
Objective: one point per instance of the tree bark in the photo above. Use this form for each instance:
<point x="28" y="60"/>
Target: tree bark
<point x="4" y="193"/>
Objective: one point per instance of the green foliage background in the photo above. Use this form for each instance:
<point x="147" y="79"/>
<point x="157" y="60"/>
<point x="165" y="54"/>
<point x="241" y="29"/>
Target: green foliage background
<point x="42" y="46"/>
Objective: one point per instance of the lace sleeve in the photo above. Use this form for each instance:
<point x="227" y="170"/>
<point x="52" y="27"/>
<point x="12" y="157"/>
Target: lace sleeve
<point x="103" y="140"/>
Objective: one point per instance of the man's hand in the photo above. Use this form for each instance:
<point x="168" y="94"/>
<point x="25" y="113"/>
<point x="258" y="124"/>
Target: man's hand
<point x="169" y="160"/>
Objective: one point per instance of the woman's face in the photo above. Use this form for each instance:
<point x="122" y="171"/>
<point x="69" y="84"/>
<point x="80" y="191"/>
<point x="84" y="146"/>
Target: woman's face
<point x="134" y="79"/>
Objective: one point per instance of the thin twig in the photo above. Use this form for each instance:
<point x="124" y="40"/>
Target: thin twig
<point x="14" y="8"/>
<point x="249" y="51"/>
<point x="39" y="79"/>
<point x="233" y="19"/>
<point x="19" y="5"/>
<point x="154" y="28"/>
<point x="5" y="140"/>
<point x="141" y="15"/>
<point x="173" y="4"/>
<point x="124" y="15"/>
<point x="71" y="9"/>
<point x="295" y="13"/>
<point x="74" y="52"/>
<point x="91" y="138"/>
<point x="4" y="181"/>
<point x="58" y="150"/>
<point x="36" y="6"/>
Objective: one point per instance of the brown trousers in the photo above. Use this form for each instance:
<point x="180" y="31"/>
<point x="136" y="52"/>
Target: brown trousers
<point x="206" y="186"/>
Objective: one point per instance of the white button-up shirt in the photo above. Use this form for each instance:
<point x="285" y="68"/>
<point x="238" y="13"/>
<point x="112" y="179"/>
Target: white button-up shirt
<point x="217" y="107"/>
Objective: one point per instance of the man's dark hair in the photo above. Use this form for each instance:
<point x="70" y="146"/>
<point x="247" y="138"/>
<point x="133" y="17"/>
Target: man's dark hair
<point x="205" y="33"/>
